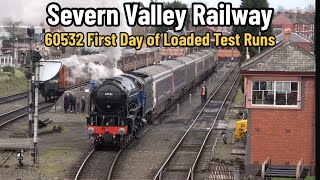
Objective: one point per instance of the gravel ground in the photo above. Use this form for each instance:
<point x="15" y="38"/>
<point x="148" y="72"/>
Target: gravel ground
<point x="143" y="157"/>
<point x="13" y="105"/>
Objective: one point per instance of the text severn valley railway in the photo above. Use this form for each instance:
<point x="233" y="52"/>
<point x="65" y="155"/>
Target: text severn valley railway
<point x="157" y="15"/>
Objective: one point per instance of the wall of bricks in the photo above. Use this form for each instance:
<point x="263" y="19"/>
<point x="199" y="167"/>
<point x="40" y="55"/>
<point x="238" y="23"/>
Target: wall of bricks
<point x="285" y="135"/>
<point x="305" y="45"/>
<point x="281" y="21"/>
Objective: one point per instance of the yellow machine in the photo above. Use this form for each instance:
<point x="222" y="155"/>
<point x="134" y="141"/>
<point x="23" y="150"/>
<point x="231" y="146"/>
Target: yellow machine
<point x="241" y="125"/>
<point x="241" y="130"/>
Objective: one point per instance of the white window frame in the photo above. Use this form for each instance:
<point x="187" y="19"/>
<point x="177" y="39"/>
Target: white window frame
<point x="274" y="94"/>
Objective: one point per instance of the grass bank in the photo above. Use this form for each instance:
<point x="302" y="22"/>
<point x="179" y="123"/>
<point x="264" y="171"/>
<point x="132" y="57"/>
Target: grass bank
<point x="12" y="84"/>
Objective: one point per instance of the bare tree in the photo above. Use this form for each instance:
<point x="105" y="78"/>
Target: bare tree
<point x="310" y="8"/>
<point x="13" y="30"/>
<point x="281" y="9"/>
<point x="299" y="10"/>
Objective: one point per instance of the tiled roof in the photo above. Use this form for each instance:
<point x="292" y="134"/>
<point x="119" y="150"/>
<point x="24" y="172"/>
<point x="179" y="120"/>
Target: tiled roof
<point x="277" y="31"/>
<point x="298" y="18"/>
<point x="286" y="56"/>
<point x="212" y="29"/>
<point x="295" y="37"/>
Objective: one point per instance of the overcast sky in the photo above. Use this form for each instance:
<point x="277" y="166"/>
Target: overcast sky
<point x="287" y="4"/>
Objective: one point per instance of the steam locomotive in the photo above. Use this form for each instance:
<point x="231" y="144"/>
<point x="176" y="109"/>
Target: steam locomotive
<point x="121" y="106"/>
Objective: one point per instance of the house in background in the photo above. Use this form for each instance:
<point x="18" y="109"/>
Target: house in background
<point x="303" y="42"/>
<point x="302" y="23"/>
<point x="280" y="98"/>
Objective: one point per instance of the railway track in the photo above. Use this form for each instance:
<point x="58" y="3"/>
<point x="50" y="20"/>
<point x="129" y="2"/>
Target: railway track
<point x="221" y="170"/>
<point x="101" y="164"/>
<point x="5" y="158"/>
<point x="181" y="162"/>
<point x="97" y="164"/>
<point x="13" y="97"/>
<point x="16" y="114"/>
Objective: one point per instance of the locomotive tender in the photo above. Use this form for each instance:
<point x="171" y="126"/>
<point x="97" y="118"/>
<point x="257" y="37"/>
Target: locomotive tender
<point x="120" y="106"/>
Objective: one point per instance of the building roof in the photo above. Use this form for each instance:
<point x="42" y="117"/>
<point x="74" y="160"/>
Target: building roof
<point x="286" y="56"/>
<point x="294" y="37"/>
<point x="300" y="18"/>
<point x="277" y="31"/>
<point x="204" y="29"/>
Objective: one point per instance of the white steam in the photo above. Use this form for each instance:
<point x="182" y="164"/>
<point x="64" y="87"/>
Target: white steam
<point x="98" y="67"/>
<point x="33" y="12"/>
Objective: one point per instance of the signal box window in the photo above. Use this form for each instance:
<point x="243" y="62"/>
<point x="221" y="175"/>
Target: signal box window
<point x="275" y="93"/>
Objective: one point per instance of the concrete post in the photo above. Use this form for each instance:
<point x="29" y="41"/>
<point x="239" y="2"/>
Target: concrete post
<point x="190" y="102"/>
<point x="178" y="109"/>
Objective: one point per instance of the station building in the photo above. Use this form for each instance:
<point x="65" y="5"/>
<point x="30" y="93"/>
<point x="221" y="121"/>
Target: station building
<point x="279" y="89"/>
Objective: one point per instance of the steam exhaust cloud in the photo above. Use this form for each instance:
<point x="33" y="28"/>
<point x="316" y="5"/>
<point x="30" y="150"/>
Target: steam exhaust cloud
<point x="33" y="13"/>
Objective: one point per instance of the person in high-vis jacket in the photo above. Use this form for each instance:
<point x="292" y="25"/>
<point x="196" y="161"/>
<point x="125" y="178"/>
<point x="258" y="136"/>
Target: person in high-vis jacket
<point x="203" y="93"/>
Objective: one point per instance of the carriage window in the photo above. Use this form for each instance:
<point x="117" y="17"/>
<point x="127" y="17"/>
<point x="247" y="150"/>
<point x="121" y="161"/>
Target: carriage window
<point x="275" y="93"/>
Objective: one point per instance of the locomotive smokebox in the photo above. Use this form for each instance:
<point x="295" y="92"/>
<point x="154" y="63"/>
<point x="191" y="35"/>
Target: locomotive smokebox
<point x="109" y="97"/>
<point x="112" y="96"/>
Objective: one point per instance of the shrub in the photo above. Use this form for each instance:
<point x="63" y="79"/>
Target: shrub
<point x="9" y="69"/>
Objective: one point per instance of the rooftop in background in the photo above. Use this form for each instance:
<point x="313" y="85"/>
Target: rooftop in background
<point x="295" y="37"/>
<point x="301" y="18"/>
<point x="286" y="56"/>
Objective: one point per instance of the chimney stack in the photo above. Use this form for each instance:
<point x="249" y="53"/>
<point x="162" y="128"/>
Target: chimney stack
<point x="247" y="54"/>
<point x="287" y="34"/>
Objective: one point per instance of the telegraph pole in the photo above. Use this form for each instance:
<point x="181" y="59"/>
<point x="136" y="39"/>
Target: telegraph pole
<point x="13" y="51"/>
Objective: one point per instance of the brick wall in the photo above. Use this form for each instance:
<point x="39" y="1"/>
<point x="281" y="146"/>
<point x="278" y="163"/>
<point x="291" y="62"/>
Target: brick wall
<point x="305" y="45"/>
<point x="285" y="135"/>
<point x="281" y="21"/>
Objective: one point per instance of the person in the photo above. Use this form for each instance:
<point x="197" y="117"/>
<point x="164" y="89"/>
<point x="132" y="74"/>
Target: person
<point x="92" y="84"/>
<point x="203" y="93"/>
<point x="224" y="137"/>
<point x="83" y="104"/>
<point x="72" y="102"/>
<point x="66" y="102"/>
<point x="78" y="106"/>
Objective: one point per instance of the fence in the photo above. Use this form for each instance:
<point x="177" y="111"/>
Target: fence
<point x="6" y="61"/>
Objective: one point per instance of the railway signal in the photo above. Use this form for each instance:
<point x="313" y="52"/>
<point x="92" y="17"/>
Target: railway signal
<point x="34" y="64"/>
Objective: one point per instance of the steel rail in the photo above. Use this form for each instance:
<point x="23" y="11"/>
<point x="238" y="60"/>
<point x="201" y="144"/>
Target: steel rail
<point x="83" y="163"/>
<point x="13" y="97"/>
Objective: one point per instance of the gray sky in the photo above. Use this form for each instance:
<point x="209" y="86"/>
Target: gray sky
<point x="287" y="4"/>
